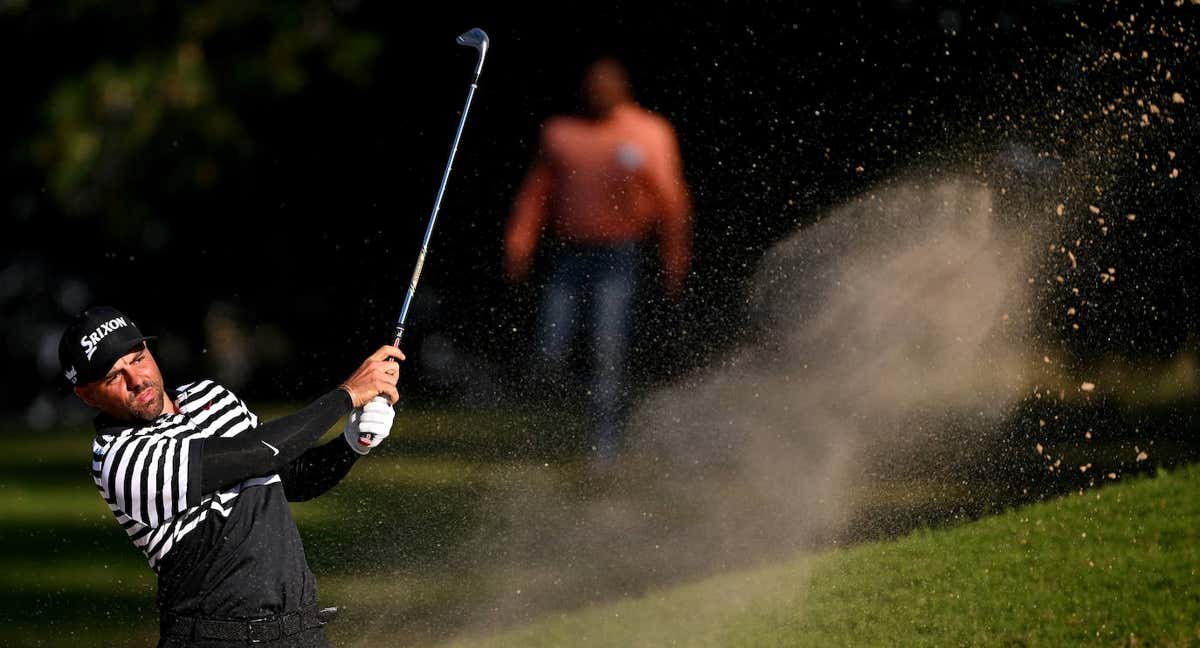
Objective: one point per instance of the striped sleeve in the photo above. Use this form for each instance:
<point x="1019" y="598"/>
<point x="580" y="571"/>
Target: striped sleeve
<point x="150" y="478"/>
<point x="250" y="415"/>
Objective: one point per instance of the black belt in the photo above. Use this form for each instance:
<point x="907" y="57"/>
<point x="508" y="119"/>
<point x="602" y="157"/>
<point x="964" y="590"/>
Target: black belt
<point x="250" y="631"/>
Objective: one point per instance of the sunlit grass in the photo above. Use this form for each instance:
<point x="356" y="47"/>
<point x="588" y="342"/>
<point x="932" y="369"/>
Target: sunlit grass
<point x="1118" y="565"/>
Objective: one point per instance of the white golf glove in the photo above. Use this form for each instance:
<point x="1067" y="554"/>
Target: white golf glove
<point x="369" y="425"/>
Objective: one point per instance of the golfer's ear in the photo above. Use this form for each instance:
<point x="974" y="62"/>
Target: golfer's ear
<point x="82" y="393"/>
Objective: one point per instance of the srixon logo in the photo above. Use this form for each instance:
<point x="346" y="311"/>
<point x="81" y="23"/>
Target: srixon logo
<point x="90" y="342"/>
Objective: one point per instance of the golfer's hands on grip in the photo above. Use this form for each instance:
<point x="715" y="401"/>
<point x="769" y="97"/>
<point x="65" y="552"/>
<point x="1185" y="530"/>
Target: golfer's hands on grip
<point x="376" y="376"/>
<point x="372" y="389"/>
<point x="369" y="425"/>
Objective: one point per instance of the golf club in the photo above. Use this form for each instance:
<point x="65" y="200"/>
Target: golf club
<point x="478" y="39"/>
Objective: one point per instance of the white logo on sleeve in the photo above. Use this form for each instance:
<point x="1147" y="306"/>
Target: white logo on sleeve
<point x="273" y="448"/>
<point x="89" y="342"/>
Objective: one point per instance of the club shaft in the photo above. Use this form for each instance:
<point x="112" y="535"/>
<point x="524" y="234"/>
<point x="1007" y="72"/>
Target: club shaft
<point x="437" y="204"/>
<point x="478" y="39"/>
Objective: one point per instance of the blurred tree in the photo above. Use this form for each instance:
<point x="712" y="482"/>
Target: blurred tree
<point x="134" y="132"/>
<point x="123" y="118"/>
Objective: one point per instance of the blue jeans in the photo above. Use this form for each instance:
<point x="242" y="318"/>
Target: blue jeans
<point x="600" y="281"/>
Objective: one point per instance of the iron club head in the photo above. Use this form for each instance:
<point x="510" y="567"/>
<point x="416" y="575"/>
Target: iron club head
<point x="478" y="39"/>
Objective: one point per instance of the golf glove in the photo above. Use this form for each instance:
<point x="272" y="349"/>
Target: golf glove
<point x="369" y="425"/>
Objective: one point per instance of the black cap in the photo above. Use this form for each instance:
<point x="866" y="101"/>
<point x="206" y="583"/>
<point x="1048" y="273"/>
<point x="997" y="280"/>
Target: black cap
<point x="94" y="341"/>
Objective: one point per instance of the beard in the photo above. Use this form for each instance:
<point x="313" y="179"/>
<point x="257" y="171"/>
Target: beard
<point x="149" y="410"/>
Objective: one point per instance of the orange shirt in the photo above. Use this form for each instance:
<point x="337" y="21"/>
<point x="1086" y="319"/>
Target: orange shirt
<point x="606" y="182"/>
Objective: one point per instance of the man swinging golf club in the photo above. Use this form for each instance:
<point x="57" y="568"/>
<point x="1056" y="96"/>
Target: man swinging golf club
<point x="201" y="485"/>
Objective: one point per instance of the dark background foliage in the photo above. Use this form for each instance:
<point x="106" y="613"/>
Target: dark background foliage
<point x="268" y="167"/>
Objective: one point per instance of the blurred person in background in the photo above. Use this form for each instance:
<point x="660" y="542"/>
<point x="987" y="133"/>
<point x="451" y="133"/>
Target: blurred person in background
<point x="201" y="486"/>
<point x="602" y="184"/>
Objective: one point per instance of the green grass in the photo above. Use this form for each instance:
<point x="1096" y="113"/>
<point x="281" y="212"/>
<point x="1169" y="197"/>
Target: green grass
<point x="1114" y="566"/>
<point x="390" y="546"/>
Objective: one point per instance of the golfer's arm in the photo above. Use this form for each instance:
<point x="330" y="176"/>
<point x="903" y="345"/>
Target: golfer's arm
<point x="666" y="178"/>
<point x="529" y="214"/>
<point x="317" y="470"/>
<point x="225" y="461"/>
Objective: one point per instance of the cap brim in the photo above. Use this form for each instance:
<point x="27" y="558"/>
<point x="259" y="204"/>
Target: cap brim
<point x="107" y="362"/>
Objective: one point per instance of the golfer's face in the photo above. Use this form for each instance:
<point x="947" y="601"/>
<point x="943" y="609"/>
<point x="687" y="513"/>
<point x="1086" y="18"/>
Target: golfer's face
<point x="131" y="390"/>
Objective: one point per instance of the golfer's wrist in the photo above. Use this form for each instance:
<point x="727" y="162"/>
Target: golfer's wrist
<point x="355" y="401"/>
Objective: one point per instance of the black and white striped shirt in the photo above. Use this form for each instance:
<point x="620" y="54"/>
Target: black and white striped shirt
<point x="149" y="475"/>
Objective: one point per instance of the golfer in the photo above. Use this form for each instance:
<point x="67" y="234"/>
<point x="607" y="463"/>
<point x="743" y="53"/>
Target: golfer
<point x="201" y="485"/>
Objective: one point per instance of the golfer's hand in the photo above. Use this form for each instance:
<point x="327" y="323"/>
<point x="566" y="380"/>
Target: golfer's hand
<point x="376" y="376"/>
<point x="369" y="425"/>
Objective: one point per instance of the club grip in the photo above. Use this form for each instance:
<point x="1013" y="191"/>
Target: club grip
<point x="365" y="438"/>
